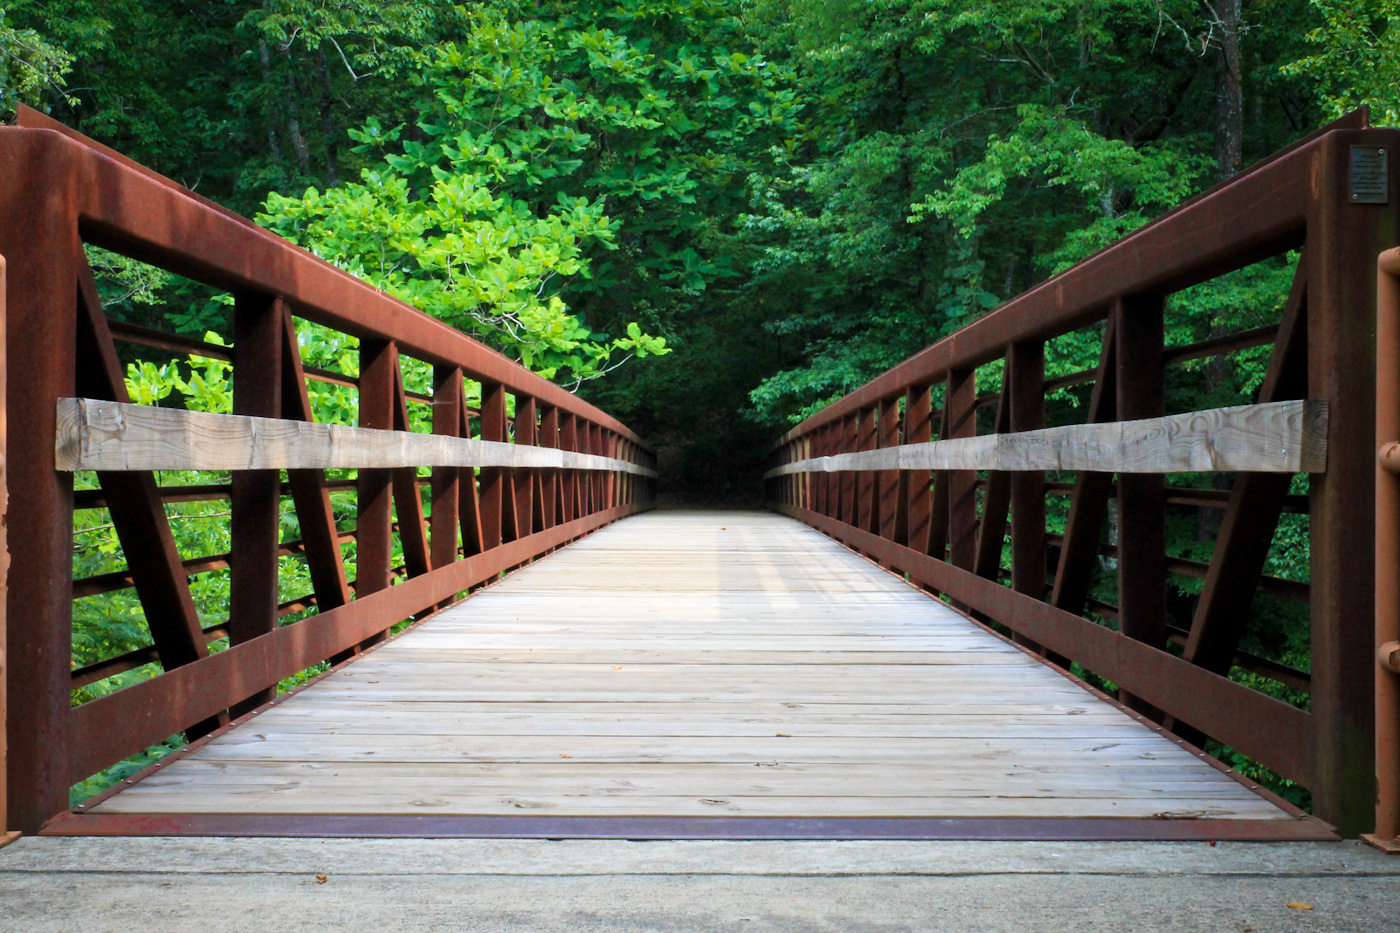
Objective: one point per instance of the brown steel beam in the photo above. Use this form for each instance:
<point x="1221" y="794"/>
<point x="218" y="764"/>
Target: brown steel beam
<point x="888" y="501"/>
<point x="1025" y="391"/>
<point x="138" y="213"/>
<point x="255" y="495"/>
<point x="1142" y="531"/>
<point x="408" y="499"/>
<point x="448" y="420"/>
<point x="960" y="420"/>
<point x="1026" y="829"/>
<point x="1260" y="213"/>
<point x="136" y="509"/>
<point x="309" y="489"/>
<point x="1341" y="368"/>
<point x="1089" y="506"/>
<point x="996" y="502"/>
<point x="527" y="422"/>
<point x="1256" y="502"/>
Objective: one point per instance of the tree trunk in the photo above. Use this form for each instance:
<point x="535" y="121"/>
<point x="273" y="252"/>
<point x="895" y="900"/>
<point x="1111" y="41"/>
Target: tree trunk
<point x="1229" y="98"/>
<point x="273" y="145"/>
<point x="328" y="123"/>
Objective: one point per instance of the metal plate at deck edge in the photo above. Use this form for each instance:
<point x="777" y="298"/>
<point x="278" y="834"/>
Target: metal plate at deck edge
<point x="657" y="828"/>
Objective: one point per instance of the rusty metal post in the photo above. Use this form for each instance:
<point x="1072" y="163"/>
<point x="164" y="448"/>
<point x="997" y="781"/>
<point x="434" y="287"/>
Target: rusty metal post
<point x="255" y="496"/>
<point x="960" y="409"/>
<point x="493" y="479"/>
<point x="1142" y="530"/>
<point x="867" y="511"/>
<point x="568" y="439"/>
<point x="523" y="479"/>
<point x="549" y="479"/>
<point x="1025" y="376"/>
<point x="374" y="523"/>
<point x="1386" y="834"/>
<point x="6" y="836"/>
<point x="887" y="480"/>
<point x="918" y="429"/>
<point x="39" y="239"/>
<point x="1341" y="369"/>
<point x="444" y="520"/>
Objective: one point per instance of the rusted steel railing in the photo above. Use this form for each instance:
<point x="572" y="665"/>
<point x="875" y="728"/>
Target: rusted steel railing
<point x="1386" y="834"/>
<point x="505" y="488"/>
<point x="921" y="509"/>
<point x="5" y="835"/>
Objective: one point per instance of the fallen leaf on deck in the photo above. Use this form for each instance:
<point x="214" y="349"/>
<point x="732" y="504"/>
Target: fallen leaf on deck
<point x="1299" y="905"/>
<point x="566" y="756"/>
<point x="617" y="667"/>
<point x="321" y="879"/>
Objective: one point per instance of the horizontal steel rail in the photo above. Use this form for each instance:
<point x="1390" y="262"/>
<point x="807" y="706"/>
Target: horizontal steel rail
<point x="892" y="471"/>
<point x="530" y="469"/>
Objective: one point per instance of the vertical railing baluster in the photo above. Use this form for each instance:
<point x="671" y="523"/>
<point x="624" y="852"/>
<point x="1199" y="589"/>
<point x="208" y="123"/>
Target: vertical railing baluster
<point x="1341" y="368"/>
<point x="374" y="533"/>
<point x="960" y="410"/>
<point x="1025" y="374"/>
<point x="568" y="439"/>
<point x="444" y="520"/>
<point x="523" y="478"/>
<point x="1142" y="556"/>
<point x="549" y="479"/>
<point x="255" y="495"/>
<point x="918" y="429"/>
<point x="888" y="480"/>
<point x="493" y="479"/>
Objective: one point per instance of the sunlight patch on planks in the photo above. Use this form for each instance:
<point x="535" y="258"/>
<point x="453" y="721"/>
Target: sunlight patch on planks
<point x="1276" y="437"/>
<point x="697" y="664"/>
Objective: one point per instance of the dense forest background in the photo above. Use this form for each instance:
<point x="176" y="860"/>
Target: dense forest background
<point x="711" y="217"/>
<point x="791" y="195"/>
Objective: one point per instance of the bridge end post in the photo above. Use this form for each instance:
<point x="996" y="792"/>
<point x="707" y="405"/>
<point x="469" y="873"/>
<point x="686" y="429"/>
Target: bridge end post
<point x="1342" y="369"/>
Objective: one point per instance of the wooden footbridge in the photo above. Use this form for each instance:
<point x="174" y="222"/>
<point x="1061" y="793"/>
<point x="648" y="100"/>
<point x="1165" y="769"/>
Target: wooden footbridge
<point x="903" y="646"/>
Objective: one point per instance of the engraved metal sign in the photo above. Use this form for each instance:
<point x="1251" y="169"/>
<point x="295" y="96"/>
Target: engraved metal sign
<point x="1369" y="181"/>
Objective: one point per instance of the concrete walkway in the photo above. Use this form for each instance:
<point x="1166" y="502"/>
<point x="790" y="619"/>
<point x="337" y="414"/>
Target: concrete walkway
<point x="149" y="885"/>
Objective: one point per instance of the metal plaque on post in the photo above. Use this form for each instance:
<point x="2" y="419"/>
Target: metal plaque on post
<point x="1369" y="182"/>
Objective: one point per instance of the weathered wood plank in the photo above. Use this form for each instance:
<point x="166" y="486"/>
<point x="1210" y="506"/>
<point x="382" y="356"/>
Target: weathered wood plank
<point x="101" y="435"/>
<point x="1280" y="437"/>
<point x="691" y="664"/>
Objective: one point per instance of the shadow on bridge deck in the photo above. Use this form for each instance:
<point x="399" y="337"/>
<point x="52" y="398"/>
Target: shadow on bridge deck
<point x="696" y="675"/>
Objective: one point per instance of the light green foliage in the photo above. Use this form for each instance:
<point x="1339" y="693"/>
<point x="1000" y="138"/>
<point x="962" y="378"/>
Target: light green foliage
<point x="1354" y="57"/>
<point x="30" y="62"/>
<point x="477" y="261"/>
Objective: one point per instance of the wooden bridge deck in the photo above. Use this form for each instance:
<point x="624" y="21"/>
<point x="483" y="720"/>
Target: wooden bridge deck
<point x="696" y="664"/>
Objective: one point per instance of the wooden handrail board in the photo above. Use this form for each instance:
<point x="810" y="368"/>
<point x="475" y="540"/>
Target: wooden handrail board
<point x="99" y="435"/>
<point x="1279" y="437"/>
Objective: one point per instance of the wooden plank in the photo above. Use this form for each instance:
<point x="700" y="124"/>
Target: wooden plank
<point x="690" y="664"/>
<point x="102" y="435"/>
<point x="1279" y="437"/>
